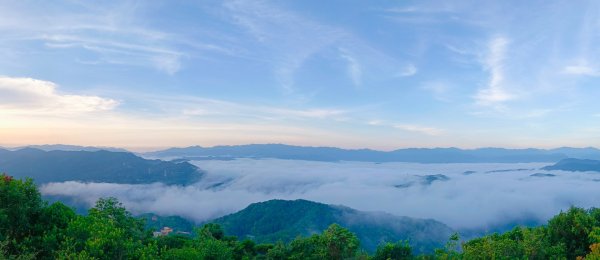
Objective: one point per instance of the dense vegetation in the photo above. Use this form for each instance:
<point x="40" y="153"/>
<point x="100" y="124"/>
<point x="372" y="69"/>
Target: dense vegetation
<point x="95" y="166"/>
<point x="273" y="220"/>
<point x="177" y="223"/>
<point x="30" y="228"/>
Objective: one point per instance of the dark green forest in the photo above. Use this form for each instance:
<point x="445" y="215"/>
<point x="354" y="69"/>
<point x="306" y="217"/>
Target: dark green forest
<point x="31" y="228"/>
<point x="274" y="220"/>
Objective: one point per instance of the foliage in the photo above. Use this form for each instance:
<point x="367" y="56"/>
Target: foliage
<point x="397" y="251"/>
<point x="274" y="220"/>
<point x="32" y="229"/>
<point x="97" y="166"/>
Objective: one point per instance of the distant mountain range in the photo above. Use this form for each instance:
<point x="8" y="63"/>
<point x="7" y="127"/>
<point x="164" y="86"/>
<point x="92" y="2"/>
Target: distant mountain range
<point x="575" y="165"/>
<point x="96" y="166"/>
<point x="67" y="147"/>
<point x="284" y="220"/>
<point x="417" y="155"/>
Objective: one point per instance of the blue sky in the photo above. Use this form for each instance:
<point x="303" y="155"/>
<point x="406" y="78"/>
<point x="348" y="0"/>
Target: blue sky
<point x="376" y="74"/>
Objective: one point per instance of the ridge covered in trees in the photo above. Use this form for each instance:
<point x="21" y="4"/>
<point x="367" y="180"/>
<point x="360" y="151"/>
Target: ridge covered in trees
<point x="274" y="220"/>
<point x="95" y="166"/>
<point x="30" y="228"/>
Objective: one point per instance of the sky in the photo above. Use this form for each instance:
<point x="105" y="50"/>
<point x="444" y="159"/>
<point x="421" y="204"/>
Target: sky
<point x="145" y="75"/>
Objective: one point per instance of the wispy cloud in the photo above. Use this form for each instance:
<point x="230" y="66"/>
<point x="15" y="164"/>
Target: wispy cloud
<point x="582" y="70"/>
<point x="30" y="96"/>
<point x="289" y="38"/>
<point x="414" y="128"/>
<point x="354" y="68"/>
<point x="426" y="130"/>
<point x="115" y="32"/>
<point x="438" y="89"/>
<point x="120" y="51"/>
<point x="495" y="93"/>
<point x="407" y="71"/>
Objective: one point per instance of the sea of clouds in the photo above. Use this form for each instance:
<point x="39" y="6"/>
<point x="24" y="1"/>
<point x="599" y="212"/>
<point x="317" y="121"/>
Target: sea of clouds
<point x="474" y="196"/>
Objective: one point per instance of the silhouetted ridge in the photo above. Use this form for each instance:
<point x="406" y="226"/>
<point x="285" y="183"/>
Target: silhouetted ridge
<point x="418" y="155"/>
<point x="575" y="165"/>
<point x="97" y="166"/>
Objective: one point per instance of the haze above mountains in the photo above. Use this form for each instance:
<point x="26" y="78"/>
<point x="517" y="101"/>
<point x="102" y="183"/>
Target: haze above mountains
<point x="332" y="154"/>
<point x="419" y="155"/>
<point x="59" y="163"/>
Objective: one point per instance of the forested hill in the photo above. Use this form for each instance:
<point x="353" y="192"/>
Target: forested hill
<point x="418" y="155"/>
<point x="94" y="166"/>
<point x="575" y="165"/>
<point x="274" y="220"/>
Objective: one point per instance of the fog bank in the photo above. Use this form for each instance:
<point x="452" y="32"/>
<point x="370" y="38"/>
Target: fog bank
<point x="460" y="195"/>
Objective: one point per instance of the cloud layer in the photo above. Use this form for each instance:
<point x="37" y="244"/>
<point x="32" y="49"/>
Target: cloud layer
<point x="492" y="195"/>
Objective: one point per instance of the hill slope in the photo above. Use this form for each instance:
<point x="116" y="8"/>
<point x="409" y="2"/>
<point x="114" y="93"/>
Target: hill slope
<point x="418" y="155"/>
<point x="98" y="166"/>
<point x="575" y="165"/>
<point x="275" y="220"/>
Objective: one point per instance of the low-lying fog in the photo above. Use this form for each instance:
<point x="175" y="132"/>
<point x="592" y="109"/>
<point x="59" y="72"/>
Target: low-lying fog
<point x="464" y="196"/>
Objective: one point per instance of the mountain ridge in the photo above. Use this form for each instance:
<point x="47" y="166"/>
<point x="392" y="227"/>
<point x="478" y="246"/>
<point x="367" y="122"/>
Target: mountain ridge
<point x="94" y="166"/>
<point x="575" y="165"/>
<point x="68" y="147"/>
<point x="274" y="220"/>
<point x="416" y="155"/>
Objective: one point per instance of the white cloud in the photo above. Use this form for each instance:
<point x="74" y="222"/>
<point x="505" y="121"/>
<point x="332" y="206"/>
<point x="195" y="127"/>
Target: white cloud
<point x="354" y="68"/>
<point x="495" y="93"/>
<point x="407" y="71"/>
<point x="420" y="129"/>
<point x="438" y="89"/>
<point x="197" y="106"/>
<point x="32" y="96"/>
<point x="484" y="199"/>
<point x="289" y="38"/>
<point x="581" y="70"/>
<point x="114" y="33"/>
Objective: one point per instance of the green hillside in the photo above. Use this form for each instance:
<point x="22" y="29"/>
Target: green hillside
<point x="94" y="166"/>
<point x="275" y="220"/>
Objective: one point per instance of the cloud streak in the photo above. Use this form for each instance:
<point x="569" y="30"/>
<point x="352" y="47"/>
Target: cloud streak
<point x="581" y="70"/>
<point x="420" y="129"/>
<point x="495" y="93"/>
<point x="354" y="68"/>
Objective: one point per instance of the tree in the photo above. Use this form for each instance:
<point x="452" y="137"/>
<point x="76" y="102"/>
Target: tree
<point x="334" y="243"/>
<point x="570" y="230"/>
<point x="277" y="252"/>
<point x="393" y="251"/>
<point x="20" y="209"/>
<point x="450" y="251"/>
<point x="339" y="242"/>
<point x="107" y="232"/>
<point x="212" y="249"/>
<point x="211" y="230"/>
